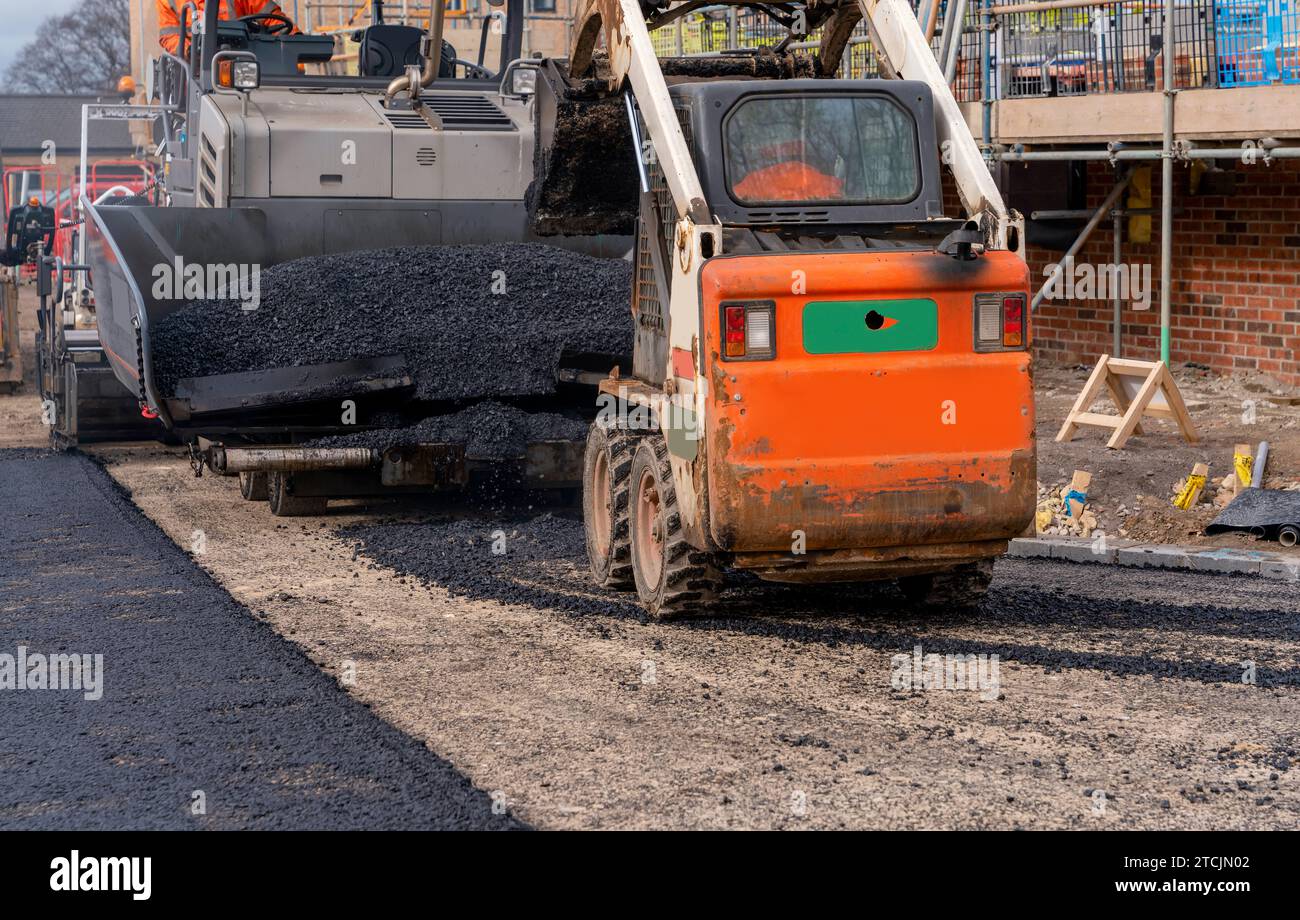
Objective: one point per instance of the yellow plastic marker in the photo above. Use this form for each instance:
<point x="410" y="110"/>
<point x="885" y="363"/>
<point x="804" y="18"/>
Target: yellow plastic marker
<point x="1191" y="490"/>
<point x="1243" y="463"/>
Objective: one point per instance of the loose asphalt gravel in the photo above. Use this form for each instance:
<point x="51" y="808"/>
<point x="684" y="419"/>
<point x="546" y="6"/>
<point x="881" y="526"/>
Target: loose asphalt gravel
<point x="197" y="695"/>
<point x="472" y="321"/>
<point x="538" y="561"/>
<point x="488" y="431"/>
<point x="543" y="565"/>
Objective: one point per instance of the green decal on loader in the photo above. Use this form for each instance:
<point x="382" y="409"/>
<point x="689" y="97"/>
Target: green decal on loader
<point x="845" y="327"/>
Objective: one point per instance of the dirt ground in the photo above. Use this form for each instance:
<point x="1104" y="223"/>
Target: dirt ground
<point x="20" y="411"/>
<point x="1121" y="701"/>
<point x="1132" y="489"/>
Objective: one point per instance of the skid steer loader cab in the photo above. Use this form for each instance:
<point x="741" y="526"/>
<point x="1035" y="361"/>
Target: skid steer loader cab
<point x="813" y="152"/>
<point x="856" y="396"/>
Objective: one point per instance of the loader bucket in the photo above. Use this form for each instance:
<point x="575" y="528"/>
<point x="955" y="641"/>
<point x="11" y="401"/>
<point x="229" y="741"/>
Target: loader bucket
<point x="585" y="178"/>
<point x="584" y="175"/>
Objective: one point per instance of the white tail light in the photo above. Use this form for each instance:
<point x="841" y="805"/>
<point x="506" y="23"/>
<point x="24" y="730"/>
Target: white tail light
<point x="989" y="316"/>
<point x="758" y="332"/>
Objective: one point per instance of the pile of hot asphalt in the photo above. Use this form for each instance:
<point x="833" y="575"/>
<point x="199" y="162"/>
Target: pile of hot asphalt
<point x="487" y="430"/>
<point x="471" y="321"/>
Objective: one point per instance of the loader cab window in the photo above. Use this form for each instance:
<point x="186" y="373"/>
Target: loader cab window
<point x="796" y="150"/>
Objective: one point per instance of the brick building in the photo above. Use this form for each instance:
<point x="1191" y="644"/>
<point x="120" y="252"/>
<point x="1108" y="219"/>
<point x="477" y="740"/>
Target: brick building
<point x="1236" y="276"/>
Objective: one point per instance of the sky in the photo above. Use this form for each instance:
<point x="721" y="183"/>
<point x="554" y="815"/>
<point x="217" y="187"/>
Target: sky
<point x="19" y="20"/>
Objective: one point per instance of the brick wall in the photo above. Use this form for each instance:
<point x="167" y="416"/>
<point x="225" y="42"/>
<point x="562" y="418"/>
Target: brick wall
<point x="1236" y="275"/>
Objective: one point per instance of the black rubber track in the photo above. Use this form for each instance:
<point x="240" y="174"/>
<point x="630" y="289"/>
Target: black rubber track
<point x="197" y="694"/>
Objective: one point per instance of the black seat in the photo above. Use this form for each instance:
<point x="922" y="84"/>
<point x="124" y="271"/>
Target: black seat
<point x="387" y="50"/>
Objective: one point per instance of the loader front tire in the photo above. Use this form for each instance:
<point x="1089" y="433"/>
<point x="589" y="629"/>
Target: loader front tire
<point x="673" y="578"/>
<point x="959" y="589"/>
<point x="606" y="474"/>
<point x="285" y="504"/>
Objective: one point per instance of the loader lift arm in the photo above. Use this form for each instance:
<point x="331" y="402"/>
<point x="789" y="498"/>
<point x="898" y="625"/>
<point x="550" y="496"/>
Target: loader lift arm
<point x="903" y="52"/>
<point x="900" y="47"/>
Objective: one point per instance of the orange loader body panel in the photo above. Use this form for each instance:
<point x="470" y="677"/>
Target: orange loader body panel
<point x="866" y="450"/>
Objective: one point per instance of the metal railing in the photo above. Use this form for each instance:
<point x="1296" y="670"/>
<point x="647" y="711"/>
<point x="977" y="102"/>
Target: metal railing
<point x="1258" y="41"/>
<point x="463" y="26"/>
<point x="1086" y="47"/>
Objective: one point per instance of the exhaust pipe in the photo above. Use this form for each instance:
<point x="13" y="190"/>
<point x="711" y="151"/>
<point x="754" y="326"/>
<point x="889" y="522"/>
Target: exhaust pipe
<point x="432" y="61"/>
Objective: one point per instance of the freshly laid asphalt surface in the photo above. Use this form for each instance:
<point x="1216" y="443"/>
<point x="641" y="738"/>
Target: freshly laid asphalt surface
<point x="198" y="696"/>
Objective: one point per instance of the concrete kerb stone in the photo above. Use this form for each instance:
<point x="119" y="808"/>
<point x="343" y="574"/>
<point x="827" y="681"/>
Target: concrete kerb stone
<point x="1136" y="554"/>
<point x="1154" y="556"/>
<point x="1030" y="548"/>
<point x="1282" y="570"/>
<point x="1227" y="560"/>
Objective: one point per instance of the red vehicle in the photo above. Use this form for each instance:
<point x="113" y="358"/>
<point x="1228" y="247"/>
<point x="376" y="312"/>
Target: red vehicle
<point x="23" y="183"/>
<point x="135" y="176"/>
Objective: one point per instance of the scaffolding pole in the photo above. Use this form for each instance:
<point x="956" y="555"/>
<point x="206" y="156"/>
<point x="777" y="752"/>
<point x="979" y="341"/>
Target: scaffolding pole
<point x="1167" y="183"/>
<point x="1117" y="257"/>
<point x="986" y="81"/>
<point x="950" y="46"/>
<point x="931" y="20"/>
<point x="1082" y="238"/>
<point x="1145" y="153"/>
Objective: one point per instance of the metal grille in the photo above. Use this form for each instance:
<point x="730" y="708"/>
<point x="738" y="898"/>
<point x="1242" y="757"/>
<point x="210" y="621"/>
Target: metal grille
<point x="466" y="111"/>
<point x="407" y="121"/>
<point x="650" y="359"/>
<point x="663" y="197"/>
<point x="1258" y="41"/>
<point x="649" y="311"/>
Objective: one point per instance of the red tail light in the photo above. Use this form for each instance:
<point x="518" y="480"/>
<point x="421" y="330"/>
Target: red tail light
<point x="1013" y="312"/>
<point x="747" y="331"/>
<point x="734" y="331"/>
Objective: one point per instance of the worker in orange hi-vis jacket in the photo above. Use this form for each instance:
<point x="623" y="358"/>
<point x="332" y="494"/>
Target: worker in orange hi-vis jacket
<point x="785" y="174"/>
<point x="169" y="17"/>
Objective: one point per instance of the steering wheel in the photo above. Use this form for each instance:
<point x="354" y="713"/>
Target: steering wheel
<point x="268" y="23"/>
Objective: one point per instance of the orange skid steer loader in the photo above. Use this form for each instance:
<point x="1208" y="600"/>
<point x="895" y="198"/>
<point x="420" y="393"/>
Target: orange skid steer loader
<point x="833" y="378"/>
